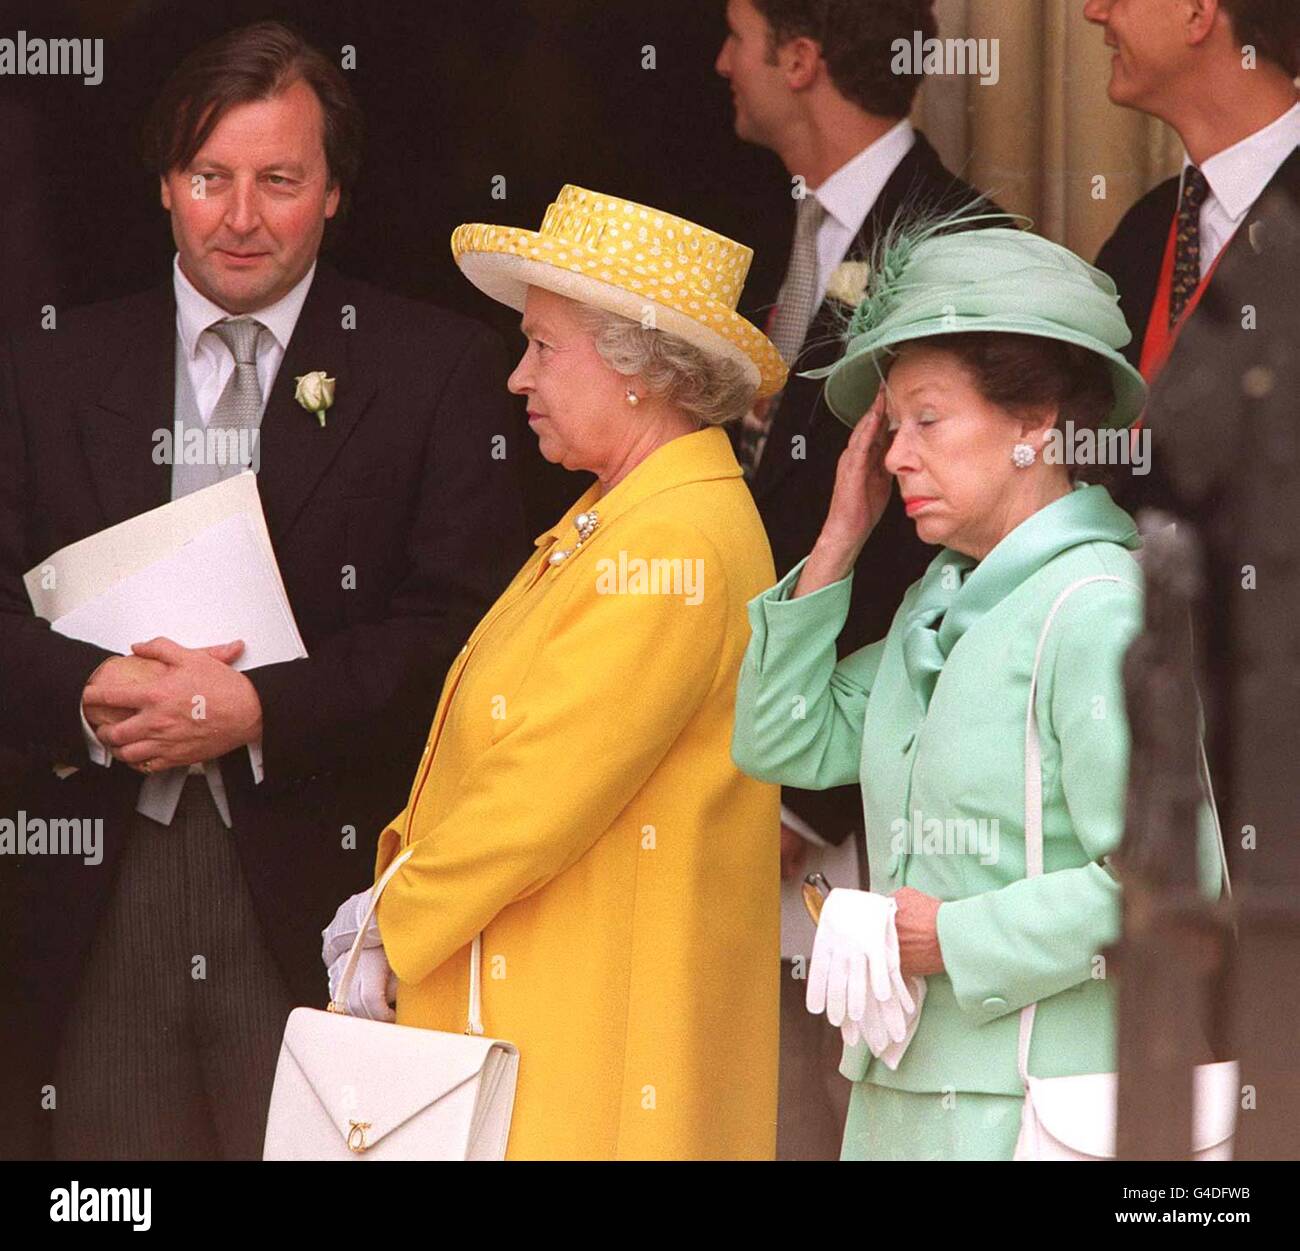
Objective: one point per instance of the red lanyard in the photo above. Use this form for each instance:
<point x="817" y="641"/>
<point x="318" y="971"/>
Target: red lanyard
<point x="1161" y="336"/>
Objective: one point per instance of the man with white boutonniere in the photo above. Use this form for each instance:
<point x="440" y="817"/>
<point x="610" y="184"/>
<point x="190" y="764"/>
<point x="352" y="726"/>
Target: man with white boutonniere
<point x="149" y="991"/>
<point x="812" y="80"/>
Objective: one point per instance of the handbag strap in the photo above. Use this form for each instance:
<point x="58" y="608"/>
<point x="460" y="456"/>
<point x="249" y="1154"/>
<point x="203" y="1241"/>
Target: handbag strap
<point x="1034" y="799"/>
<point x="1034" y="795"/>
<point x="338" y="1004"/>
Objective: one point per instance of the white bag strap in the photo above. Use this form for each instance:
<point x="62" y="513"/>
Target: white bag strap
<point x="338" y="1004"/>
<point x="1034" y="798"/>
<point x="1034" y="795"/>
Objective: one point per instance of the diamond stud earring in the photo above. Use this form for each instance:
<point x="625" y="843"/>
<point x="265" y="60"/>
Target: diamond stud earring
<point x="1023" y="455"/>
<point x="633" y="398"/>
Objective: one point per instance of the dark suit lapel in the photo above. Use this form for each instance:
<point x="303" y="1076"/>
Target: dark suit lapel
<point x="1135" y="266"/>
<point x="802" y="406"/>
<point x="1251" y="237"/>
<point x="295" y="449"/>
<point x="1134" y="256"/>
<point x="119" y="427"/>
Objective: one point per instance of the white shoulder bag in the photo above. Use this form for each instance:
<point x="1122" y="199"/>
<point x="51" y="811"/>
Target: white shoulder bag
<point x="347" y="1088"/>
<point x="1073" y="1118"/>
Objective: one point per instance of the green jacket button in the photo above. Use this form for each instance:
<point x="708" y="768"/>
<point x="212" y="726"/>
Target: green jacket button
<point x="994" y="1004"/>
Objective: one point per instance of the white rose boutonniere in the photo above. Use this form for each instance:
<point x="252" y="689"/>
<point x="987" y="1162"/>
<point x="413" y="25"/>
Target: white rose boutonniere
<point x="315" y="393"/>
<point x="848" y="284"/>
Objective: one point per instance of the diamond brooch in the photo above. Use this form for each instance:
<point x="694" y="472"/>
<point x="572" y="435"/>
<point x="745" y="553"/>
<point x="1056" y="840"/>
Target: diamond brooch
<point x="585" y="524"/>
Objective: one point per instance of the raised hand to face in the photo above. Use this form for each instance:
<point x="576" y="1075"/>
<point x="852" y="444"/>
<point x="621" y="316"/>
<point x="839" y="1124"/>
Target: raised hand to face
<point x="862" y="487"/>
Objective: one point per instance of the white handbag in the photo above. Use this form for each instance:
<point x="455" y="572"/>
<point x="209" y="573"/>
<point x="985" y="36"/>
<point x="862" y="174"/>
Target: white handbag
<point x="1073" y="1118"/>
<point x="347" y="1088"/>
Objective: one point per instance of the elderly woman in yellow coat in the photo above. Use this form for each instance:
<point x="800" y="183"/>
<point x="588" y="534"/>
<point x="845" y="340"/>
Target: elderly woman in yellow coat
<point x="576" y="801"/>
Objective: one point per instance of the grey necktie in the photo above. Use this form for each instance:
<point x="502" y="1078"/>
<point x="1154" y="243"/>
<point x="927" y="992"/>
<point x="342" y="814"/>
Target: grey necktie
<point x="240" y="405"/>
<point x="238" y="409"/>
<point x="794" y="312"/>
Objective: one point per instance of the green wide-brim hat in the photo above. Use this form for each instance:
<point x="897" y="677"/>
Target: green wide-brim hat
<point x="993" y="280"/>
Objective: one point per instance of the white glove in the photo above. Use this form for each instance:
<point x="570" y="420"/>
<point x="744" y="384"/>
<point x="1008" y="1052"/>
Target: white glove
<point x="873" y="1028"/>
<point x="872" y="1031"/>
<point x="855" y="960"/>
<point x="337" y="936"/>
<point x="374" y="985"/>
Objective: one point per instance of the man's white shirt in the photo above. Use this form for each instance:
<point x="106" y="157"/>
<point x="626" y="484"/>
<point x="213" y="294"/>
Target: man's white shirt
<point x="1237" y="177"/>
<point x="210" y="365"/>
<point x="210" y="361"/>
<point x="849" y="194"/>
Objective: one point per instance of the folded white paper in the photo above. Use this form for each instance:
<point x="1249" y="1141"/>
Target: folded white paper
<point x="199" y="571"/>
<point x="216" y="588"/>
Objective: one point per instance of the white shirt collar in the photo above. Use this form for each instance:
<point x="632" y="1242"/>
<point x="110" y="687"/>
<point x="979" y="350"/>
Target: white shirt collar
<point x="848" y="194"/>
<point x="195" y="312"/>
<point x="1239" y="174"/>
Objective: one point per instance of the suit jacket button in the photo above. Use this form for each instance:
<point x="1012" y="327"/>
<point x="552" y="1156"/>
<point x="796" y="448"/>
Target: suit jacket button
<point x="995" y="1004"/>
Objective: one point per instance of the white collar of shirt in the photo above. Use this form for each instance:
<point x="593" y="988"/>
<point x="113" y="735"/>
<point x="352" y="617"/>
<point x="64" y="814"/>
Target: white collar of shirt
<point x="208" y="361"/>
<point x="848" y="194"/>
<point x="1237" y="177"/>
<point x="195" y="312"/>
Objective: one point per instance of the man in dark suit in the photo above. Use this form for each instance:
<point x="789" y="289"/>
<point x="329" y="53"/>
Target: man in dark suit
<point x="149" y="986"/>
<point x="1220" y="72"/>
<point x="814" y="83"/>
<point x="1207" y="265"/>
<point x="1132" y="258"/>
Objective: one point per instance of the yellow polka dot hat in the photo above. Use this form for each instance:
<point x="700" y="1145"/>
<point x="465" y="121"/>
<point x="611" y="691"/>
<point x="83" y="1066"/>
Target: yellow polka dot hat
<point x="631" y="260"/>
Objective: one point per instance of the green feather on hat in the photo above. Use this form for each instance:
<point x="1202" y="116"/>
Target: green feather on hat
<point x="931" y="277"/>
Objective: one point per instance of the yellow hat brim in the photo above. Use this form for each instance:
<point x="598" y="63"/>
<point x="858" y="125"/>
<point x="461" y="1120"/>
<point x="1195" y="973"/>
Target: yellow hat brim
<point x="504" y="261"/>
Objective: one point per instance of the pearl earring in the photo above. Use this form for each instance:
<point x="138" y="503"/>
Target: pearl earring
<point x="633" y="398"/>
<point x="1023" y="455"/>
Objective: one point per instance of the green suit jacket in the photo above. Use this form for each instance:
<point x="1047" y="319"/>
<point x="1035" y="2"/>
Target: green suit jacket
<point x="931" y="720"/>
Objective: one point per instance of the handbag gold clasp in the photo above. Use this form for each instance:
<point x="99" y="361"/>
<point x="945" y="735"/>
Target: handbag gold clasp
<point x="357" y="1136"/>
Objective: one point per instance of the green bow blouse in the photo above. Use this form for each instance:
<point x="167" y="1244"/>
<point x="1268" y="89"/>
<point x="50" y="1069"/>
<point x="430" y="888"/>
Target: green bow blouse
<point x="931" y="722"/>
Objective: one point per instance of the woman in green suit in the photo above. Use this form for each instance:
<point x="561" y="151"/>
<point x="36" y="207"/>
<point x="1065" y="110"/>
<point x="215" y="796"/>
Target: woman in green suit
<point x="999" y="356"/>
